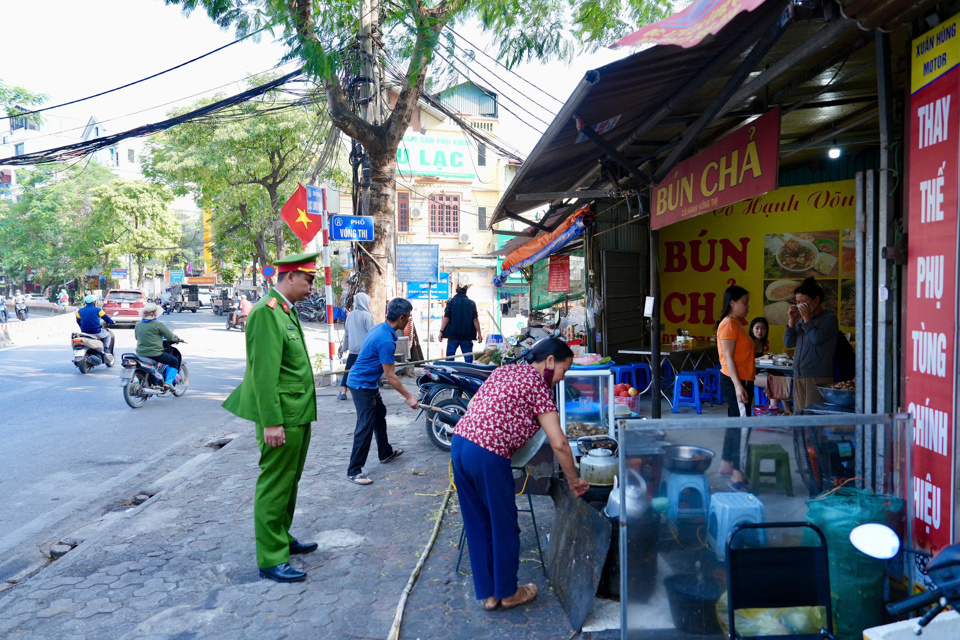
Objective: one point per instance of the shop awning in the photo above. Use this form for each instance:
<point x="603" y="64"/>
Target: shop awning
<point x="688" y="27"/>
<point x="820" y="68"/>
<point x="544" y="246"/>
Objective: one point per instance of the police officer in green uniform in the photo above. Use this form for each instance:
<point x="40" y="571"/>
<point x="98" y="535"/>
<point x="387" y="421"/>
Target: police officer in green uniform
<point x="277" y="394"/>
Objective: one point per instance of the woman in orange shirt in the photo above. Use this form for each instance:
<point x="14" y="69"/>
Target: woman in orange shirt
<point x="738" y="371"/>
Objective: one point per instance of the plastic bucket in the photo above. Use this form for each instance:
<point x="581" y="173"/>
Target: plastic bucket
<point x="693" y="602"/>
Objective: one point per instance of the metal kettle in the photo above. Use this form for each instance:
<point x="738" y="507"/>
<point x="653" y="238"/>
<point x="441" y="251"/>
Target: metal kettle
<point x="635" y="489"/>
<point x="599" y="467"/>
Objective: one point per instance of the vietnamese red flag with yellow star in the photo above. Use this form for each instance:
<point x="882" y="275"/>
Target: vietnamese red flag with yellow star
<point x="294" y="213"/>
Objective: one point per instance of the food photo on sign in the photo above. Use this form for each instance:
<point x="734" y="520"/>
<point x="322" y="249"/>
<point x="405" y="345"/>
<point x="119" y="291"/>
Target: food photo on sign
<point x="767" y="244"/>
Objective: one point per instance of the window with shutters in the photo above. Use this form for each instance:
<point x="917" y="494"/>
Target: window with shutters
<point x="130" y="155"/>
<point x="481" y="155"/>
<point x="403" y="212"/>
<point x="482" y="218"/>
<point x="445" y="214"/>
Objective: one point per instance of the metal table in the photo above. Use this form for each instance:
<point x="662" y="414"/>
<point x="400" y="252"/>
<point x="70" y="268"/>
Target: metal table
<point x="681" y="358"/>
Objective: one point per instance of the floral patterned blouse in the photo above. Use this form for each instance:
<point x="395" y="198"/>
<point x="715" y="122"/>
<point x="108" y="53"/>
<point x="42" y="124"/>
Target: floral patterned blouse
<point x="502" y="416"/>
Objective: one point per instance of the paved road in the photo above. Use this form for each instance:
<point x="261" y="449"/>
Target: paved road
<point x="72" y="448"/>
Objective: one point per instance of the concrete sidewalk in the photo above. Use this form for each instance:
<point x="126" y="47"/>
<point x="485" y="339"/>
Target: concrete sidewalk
<point x="182" y="565"/>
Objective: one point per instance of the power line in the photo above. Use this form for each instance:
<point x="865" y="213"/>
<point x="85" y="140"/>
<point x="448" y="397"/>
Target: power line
<point x="130" y="84"/>
<point x="476" y="48"/>
<point x="59" y="154"/>
<point x="162" y="104"/>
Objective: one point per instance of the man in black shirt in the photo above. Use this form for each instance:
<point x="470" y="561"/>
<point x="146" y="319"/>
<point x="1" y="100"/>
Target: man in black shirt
<point x="460" y="325"/>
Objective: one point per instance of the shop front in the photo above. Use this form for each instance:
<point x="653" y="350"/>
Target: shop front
<point x="761" y="166"/>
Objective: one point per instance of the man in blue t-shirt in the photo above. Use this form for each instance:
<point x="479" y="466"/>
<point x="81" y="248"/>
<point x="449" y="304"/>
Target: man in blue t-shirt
<point x="89" y="318"/>
<point x="376" y="359"/>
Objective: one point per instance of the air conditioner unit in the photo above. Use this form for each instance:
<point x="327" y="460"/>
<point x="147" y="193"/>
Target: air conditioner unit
<point x="415" y="213"/>
<point x="464" y="238"/>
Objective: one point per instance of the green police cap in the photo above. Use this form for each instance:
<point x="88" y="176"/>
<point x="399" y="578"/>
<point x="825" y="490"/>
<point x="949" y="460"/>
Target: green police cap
<point x="305" y="262"/>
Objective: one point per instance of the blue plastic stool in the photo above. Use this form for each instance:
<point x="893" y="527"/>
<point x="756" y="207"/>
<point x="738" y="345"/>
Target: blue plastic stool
<point x="715" y="374"/>
<point x="759" y="396"/>
<point x="680" y="399"/>
<point x="623" y="373"/>
<point x="706" y="385"/>
<point x="727" y="510"/>
<point x="642" y="375"/>
<point x="667" y="375"/>
<point x="688" y="494"/>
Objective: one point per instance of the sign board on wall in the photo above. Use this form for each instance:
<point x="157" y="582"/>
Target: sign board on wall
<point x="438" y="291"/>
<point x="931" y="319"/>
<point x="559" y="281"/>
<point x="118" y="274"/>
<point x="768" y="245"/>
<point x="418" y="262"/>
<point x="742" y="165"/>
<point x="436" y="154"/>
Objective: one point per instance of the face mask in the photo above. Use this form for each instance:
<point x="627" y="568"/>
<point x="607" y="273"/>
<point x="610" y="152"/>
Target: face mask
<point x="548" y="376"/>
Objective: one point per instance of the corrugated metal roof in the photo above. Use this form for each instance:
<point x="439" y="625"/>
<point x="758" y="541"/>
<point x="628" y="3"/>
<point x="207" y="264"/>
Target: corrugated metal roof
<point x="827" y="95"/>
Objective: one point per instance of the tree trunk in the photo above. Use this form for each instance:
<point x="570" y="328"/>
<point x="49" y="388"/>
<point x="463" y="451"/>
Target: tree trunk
<point x="139" y="271"/>
<point x="381" y="200"/>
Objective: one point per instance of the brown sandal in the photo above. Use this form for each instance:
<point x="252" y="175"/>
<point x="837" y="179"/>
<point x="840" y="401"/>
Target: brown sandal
<point x="526" y="593"/>
<point x="491" y="603"/>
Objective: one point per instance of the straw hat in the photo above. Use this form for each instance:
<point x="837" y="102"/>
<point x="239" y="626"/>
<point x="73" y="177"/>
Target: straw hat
<point x="150" y="310"/>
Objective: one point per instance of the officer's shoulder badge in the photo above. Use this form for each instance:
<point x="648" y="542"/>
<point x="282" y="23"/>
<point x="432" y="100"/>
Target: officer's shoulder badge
<point x="285" y="306"/>
<point x="272" y="303"/>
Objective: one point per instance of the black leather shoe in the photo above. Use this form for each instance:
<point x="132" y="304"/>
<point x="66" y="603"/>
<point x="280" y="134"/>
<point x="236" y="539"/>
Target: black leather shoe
<point x="283" y="573"/>
<point x="301" y="547"/>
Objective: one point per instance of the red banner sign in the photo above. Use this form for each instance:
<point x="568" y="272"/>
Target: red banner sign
<point x="559" y="281"/>
<point x="202" y="280"/>
<point x="931" y="322"/>
<point x="742" y="165"/>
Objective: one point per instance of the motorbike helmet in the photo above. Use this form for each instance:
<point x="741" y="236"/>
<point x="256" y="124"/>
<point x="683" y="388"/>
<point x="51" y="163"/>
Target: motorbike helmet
<point x="90" y="299"/>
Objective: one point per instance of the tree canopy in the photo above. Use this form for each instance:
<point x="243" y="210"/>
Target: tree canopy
<point x="243" y="164"/>
<point x="52" y="229"/>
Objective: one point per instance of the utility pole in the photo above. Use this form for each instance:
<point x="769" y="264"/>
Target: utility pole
<point x="371" y="100"/>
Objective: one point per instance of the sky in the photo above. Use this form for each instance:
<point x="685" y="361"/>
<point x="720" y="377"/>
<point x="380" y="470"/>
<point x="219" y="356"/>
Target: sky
<point x="69" y="49"/>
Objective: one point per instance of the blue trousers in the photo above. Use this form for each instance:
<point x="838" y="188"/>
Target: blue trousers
<point x="485" y="488"/>
<point x="466" y="348"/>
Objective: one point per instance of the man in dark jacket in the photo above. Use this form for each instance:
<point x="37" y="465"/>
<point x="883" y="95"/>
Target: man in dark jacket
<point x="460" y="325"/>
<point x="89" y="317"/>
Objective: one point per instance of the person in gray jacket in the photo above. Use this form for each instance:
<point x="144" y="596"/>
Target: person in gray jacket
<point x="813" y="331"/>
<point x="359" y="322"/>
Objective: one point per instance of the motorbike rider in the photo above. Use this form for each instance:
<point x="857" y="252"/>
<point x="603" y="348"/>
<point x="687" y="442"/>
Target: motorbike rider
<point x="243" y="309"/>
<point x="89" y="317"/>
<point x="19" y="298"/>
<point x="150" y="333"/>
<point x="165" y="300"/>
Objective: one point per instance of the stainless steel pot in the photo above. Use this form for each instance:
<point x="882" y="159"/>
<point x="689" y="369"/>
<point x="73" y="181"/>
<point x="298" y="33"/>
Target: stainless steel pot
<point x="599" y="467"/>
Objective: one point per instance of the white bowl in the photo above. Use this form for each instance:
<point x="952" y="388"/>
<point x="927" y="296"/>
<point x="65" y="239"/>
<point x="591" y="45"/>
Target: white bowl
<point x="808" y="245"/>
<point x="776" y="284"/>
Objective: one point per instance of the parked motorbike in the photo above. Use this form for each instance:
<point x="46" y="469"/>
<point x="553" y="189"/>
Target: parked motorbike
<point x="237" y="320"/>
<point x="313" y="309"/>
<point x="3" y="311"/>
<point x="22" y="310"/>
<point x="89" y="351"/>
<point x="143" y="377"/>
<point x="448" y="385"/>
<point x="942" y="570"/>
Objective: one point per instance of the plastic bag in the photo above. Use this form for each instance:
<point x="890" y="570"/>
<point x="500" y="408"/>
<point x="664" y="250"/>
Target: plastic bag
<point x="771" y="622"/>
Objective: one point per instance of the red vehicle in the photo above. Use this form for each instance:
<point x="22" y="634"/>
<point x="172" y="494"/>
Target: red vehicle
<point x="126" y="304"/>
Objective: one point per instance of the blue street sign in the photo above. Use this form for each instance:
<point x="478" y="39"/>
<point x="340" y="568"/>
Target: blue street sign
<point x="418" y="262"/>
<point x="314" y="200"/>
<point x="176" y="275"/>
<point x="268" y="271"/>
<point x="439" y="291"/>
<point x="117" y="274"/>
<point x="356" y="228"/>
